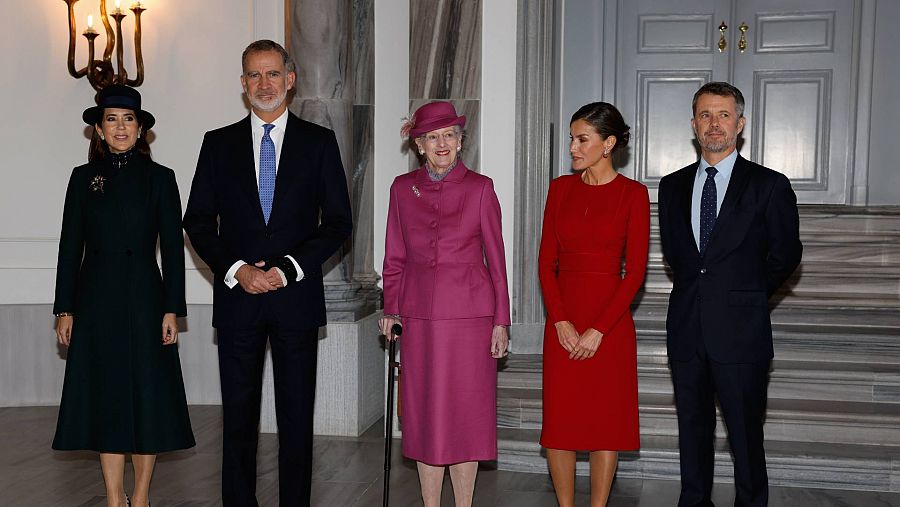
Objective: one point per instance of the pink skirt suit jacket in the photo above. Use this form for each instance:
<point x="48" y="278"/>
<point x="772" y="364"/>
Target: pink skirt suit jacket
<point x="445" y="275"/>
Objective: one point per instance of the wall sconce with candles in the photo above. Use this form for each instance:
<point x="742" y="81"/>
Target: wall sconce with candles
<point x="100" y="73"/>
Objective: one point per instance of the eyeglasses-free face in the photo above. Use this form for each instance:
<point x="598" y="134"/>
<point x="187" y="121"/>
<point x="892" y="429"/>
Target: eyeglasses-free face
<point x="716" y="123"/>
<point x="119" y="128"/>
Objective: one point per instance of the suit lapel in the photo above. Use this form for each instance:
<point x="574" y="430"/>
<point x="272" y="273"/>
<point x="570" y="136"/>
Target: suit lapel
<point x="286" y="162"/>
<point x="686" y="194"/>
<point x="740" y="176"/>
<point x="246" y="166"/>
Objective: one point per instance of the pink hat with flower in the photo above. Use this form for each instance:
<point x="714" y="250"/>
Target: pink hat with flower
<point x="431" y="116"/>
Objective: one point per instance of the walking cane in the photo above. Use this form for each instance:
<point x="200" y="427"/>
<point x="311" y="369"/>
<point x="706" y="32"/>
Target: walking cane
<point x="396" y="331"/>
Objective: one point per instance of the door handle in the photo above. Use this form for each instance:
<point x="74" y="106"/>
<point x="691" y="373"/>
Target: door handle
<point x="742" y="43"/>
<point x="722" y="42"/>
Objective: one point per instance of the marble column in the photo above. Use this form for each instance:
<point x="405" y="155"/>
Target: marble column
<point x="445" y="64"/>
<point x="534" y="160"/>
<point x="320" y="44"/>
<point x="349" y="385"/>
<point x="362" y="179"/>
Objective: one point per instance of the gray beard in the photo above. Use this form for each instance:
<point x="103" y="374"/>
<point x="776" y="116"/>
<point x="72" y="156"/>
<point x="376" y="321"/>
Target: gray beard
<point x="263" y="106"/>
<point x="714" y="147"/>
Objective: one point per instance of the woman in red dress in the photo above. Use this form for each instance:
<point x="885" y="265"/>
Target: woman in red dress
<point x="593" y="220"/>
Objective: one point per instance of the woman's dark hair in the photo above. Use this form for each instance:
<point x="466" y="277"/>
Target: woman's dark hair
<point x="97" y="150"/>
<point x="606" y="120"/>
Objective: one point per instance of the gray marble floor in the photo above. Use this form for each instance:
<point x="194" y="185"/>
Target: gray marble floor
<point x="347" y="472"/>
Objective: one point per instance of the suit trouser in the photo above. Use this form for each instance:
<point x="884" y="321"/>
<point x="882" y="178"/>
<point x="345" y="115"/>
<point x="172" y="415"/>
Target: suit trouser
<point x="241" y="359"/>
<point x="741" y="390"/>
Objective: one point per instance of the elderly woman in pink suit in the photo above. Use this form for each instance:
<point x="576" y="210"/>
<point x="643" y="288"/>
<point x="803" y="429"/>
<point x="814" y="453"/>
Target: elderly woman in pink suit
<point x="445" y="280"/>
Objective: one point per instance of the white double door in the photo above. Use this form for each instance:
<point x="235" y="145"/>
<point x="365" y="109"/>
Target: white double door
<point x="796" y="73"/>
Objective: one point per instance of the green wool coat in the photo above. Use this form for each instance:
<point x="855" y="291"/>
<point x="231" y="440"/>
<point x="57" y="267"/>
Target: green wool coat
<point x="123" y="389"/>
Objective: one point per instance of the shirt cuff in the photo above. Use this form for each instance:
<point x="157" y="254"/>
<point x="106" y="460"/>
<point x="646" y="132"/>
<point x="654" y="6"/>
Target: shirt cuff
<point x="297" y="267"/>
<point x="284" y="280"/>
<point x="230" y="281"/>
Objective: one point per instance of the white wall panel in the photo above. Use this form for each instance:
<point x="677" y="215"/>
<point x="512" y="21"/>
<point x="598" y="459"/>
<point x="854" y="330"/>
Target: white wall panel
<point x="192" y="58"/>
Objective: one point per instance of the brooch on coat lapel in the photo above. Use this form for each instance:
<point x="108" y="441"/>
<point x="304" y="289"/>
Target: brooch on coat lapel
<point x="416" y="191"/>
<point x="97" y="184"/>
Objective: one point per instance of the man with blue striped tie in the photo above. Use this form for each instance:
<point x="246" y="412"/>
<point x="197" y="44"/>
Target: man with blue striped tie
<point x="268" y="206"/>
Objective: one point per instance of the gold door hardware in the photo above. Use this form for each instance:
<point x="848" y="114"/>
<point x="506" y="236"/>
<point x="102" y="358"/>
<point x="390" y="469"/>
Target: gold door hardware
<point x="742" y="43"/>
<point x="722" y="43"/>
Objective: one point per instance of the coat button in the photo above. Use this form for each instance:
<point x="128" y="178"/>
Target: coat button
<point x="432" y="263"/>
<point x="433" y="224"/>
<point x="434" y="207"/>
<point x="128" y="252"/>
<point x="437" y="186"/>
<point x="702" y="271"/>
<point x="431" y="243"/>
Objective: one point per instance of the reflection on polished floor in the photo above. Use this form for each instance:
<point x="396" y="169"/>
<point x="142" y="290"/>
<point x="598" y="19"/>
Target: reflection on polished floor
<point x="348" y="472"/>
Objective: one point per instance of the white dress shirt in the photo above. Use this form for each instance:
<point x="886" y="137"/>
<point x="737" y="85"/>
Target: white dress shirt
<point x="723" y="176"/>
<point x="277" y="136"/>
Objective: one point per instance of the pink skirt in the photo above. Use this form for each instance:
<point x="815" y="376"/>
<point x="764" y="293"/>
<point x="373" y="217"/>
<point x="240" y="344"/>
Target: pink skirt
<point x="448" y="391"/>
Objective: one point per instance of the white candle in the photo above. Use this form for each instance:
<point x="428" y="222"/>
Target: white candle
<point x="90" y="24"/>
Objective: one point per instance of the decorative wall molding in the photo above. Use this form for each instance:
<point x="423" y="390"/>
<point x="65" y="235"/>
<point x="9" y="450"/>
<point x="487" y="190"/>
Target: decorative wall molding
<point x="349" y="391"/>
<point x="813" y="90"/>
<point x="675" y="33"/>
<point x="28" y="272"/>
<point x="863" y="67"/>
<point x="652" y="87"/>
<point x="785" y="32"/>
<point x="28" y="252"/>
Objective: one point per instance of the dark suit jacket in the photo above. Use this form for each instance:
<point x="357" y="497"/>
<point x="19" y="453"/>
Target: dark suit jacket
<point x="310" y="218"/>
<point x="720" y="299"/>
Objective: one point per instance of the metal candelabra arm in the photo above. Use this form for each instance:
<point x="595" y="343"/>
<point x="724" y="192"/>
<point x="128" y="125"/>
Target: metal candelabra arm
<point x="100" y="73"/>
<point x="137" y="9"/>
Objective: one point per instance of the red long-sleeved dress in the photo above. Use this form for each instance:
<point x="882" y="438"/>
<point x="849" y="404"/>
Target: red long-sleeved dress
<point x="588" y="231"/>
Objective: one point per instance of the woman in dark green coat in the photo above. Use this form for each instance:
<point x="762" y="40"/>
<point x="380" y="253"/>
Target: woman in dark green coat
<point x="123" y="391"/>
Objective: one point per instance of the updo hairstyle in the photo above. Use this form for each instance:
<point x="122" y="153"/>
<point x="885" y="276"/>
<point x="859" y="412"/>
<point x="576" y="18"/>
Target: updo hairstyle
<point x="606" y="120"/>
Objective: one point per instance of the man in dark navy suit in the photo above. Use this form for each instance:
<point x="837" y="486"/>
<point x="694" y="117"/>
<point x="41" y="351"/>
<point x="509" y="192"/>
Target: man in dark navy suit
<point x="268" y="206"/>
<point x="730" y="233"/>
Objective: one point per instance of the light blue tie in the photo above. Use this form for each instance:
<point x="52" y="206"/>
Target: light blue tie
<point x="267" y="172"/>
